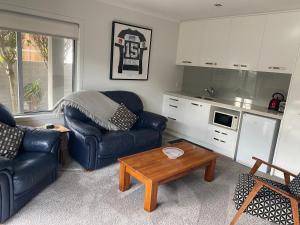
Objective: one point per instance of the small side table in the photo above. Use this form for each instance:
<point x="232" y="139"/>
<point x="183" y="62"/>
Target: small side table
<point x="64" y="140"/>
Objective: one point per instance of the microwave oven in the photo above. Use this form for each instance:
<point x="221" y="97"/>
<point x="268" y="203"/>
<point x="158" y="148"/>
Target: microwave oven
<point x="226" y="120"/>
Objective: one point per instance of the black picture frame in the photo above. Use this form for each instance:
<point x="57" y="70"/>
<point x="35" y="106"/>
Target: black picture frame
<point x="131" y="46"/>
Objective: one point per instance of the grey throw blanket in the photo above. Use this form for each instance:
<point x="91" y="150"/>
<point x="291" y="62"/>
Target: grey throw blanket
<point x="95" y="105"/>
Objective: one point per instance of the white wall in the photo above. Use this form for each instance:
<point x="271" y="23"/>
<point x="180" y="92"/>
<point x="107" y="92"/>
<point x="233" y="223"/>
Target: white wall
<point x="95" y="20"/>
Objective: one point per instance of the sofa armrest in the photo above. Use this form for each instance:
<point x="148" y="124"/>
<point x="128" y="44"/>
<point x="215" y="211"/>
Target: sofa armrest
<point x="84" y="129"/>
<point x="152" y="120"/>
<point x="6" y="196"/>
<point x="5" y="165"/>
<point x="40" y="140"/>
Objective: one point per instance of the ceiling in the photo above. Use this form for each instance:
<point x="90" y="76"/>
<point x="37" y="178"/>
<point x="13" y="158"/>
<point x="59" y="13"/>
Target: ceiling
<point x="180" y="10"/>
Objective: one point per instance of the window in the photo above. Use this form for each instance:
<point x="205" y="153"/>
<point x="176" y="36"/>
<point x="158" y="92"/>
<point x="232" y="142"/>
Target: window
<point x="36" y="70"/>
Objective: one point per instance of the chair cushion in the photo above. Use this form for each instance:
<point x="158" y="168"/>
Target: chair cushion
<point x="145" y="139"/>
<point x="294" y="186"/>
<point x="31" y="168"/>
<point x="266" y="204"/>
<point x="115" y="144"/>
<point x="10" y="141"/>
<point x="123" y="118"/>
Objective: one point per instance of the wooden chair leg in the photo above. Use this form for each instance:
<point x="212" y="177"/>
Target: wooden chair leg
<point x="295" y="210"/>
<point x="247" y="201"/>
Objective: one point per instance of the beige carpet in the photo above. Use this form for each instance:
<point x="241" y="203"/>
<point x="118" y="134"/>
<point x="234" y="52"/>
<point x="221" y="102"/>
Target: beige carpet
<point x="90" y="198"/>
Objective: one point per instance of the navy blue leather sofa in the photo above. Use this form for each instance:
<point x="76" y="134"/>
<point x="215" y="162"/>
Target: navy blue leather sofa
<point x="94" y="147"/>
<point x="31" y="171"/>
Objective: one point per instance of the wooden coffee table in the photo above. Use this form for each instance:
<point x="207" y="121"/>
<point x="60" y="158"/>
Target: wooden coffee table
<point x="153" y="168"/>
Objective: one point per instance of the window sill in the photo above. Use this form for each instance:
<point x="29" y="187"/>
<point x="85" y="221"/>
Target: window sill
<point x="47" y="115"/>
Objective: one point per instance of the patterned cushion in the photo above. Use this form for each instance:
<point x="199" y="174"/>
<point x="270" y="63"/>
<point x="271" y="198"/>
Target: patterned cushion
<point x="123" y="118"/>
<point x="10" y="141"/>
<point x="266" y="204"/>
<point x="294" y="186"/>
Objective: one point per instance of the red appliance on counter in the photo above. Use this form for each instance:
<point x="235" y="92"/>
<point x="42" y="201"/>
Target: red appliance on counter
<point x="276" y="99"/>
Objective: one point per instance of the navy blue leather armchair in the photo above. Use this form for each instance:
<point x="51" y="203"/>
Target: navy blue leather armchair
<point x="31" y="171"/>
<point x="94" y="147"/>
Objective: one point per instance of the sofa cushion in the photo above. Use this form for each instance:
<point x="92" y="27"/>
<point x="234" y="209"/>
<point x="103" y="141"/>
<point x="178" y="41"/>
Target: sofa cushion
<point x="116" y="144"/>
<point x="294" y="186"/>
<point x="131" y="100"/>
<point x="145" y="139"/>
<point x="31" y="168"/>
<point x="10" y="141"/>
<point x="123" y="118"/>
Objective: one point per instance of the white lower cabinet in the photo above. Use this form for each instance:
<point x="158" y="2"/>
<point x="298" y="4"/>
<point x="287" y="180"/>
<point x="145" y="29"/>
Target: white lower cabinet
<point x="196" y="119"/>
<point x="190" y="120"/>
<point x="173" y="109"/>
<point x="222" y="140"/>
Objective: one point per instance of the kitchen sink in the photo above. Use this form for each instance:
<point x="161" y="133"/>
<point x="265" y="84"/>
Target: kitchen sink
<point x="206" y="98"/>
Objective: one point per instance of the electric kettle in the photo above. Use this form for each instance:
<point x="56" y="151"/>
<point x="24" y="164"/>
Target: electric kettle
<point x="276" y="99"/>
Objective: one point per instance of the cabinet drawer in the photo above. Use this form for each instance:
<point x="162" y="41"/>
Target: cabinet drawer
<point x="172" y="100"/>
<point x="223" y="140"/>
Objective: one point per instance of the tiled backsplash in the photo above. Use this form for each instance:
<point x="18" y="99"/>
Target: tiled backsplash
<point x="229" y="84"/>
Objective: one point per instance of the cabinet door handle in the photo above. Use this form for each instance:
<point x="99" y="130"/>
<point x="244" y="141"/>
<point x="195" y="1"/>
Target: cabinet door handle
<point x="174" y="106"/>
<point x="186" y="61"/>
<point x="211" y="63"/>
<point x="224" y="133"/>
<point x="244" y="66"/>
<point x="195" y="104"/>
<point x="222" y="141"/>
<point x="276" y="68"/>
<point x="236" y="65"/>
<point x="174" y="99"/>
<point x="217" y="131"/>
<point x="216" y="139"/>
<point x="171" y="118"/>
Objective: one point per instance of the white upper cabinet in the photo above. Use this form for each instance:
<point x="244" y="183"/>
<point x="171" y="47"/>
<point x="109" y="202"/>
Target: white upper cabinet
<point x="214" y="43"/>
<point x="188" y="50"/>
<point x="245" y="42"/>
<point x="280" y="43"/>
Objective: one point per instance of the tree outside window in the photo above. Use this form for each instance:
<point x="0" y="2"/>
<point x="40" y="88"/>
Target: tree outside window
<point x="38" y="53"/>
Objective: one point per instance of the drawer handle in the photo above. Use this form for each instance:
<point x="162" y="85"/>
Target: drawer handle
<point x="186" y="61"/>
<point x="195" y="104"/>
<point x="174" y="99"/>
<point x="276" y="68"/>
<point x="244" y="66"/>
<point x="236" y="65"/>
<point x="222" y="141"/>
<point x="217" y="131"/>
<point x="216" y="139"/>
<point x="171" y="118"/>
<point x="224" y="133"/>
<point x="211" y="63"/>
<point x="174" y="106"/>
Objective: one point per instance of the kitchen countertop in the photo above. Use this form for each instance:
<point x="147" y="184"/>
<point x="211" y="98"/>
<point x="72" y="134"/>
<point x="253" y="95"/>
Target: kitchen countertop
<point x="233" y="105"/>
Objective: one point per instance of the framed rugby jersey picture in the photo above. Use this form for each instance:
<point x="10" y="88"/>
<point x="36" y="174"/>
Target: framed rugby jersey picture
<point x="130" y="52"/>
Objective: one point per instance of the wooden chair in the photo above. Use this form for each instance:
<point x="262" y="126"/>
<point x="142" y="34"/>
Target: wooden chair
<point x="263" y="188"/>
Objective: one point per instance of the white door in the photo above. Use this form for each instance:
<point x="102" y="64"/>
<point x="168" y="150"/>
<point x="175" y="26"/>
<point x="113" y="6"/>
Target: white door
<point x="196" y="119"/>
<point x="188" y="48"/>
<point x="215" y="38"/>
<point x="280" y="43"/>
<point x="287" y="152"/>
<point x="245" y="42"/>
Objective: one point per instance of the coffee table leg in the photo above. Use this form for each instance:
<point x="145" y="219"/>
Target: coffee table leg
<point x="150" y="199"/>
<point x="124" y="178"/>
<point x="210" y="171"/>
